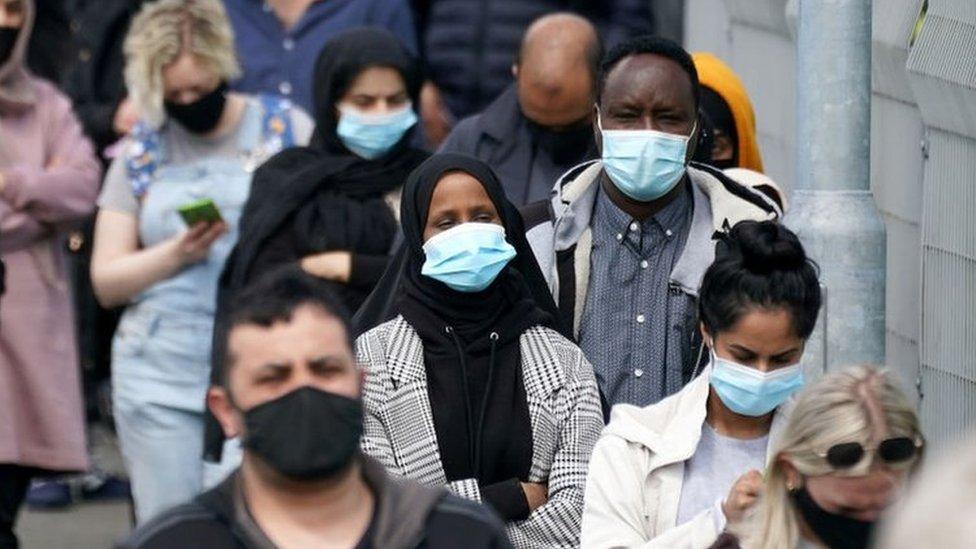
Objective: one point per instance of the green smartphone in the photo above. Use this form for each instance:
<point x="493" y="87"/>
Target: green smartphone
<point x="200" y="211"/>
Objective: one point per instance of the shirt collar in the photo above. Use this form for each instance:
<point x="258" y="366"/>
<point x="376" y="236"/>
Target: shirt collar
<point x="668" y="221"/>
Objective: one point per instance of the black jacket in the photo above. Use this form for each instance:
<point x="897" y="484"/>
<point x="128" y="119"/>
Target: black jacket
<point x="95" y="82"/>
<point x="502" y="137"/>
<point x="406" y="516"/>
<point x="51" y="49"/>
<point x="469" y="45"/>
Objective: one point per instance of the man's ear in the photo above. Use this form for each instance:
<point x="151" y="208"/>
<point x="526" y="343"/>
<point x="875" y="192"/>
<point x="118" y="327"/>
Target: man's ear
<point x="220" y="404"/>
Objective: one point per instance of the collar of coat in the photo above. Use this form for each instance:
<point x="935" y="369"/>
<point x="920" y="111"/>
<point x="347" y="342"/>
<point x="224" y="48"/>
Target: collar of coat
<point x="719" y="203"/>
<point x="671" y="429"/>
<point x="501" y="119"/>
<point x="542" y="371"/>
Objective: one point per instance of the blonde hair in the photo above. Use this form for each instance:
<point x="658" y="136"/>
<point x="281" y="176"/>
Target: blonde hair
<point x="832" y="411"/>
<point x="160" y="33"/>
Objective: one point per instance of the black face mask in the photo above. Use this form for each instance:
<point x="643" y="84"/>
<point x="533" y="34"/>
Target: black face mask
<point x="8" y="39"/>
<point x="307" y="434"/>
<point x="835" y="531"/>
<point x="568" y="146"/>
<point x="202" y="115"/>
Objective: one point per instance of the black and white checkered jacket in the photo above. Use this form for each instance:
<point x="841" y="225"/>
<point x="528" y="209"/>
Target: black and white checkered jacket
<point x="564" y="410"/>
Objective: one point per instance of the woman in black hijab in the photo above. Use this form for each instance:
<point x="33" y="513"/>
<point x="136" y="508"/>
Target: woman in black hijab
<point x="471" y="385"/>
<point x="330" y="206"/>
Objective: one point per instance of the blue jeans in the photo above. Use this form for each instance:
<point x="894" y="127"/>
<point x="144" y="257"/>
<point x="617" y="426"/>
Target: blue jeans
<point x="161" y="368"/>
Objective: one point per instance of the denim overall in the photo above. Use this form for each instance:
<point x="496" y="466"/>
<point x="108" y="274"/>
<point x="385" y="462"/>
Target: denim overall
<point x="161" y="350"/>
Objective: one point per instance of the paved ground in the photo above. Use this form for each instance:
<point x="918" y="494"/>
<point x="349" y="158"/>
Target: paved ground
<point x="84" y="526"/>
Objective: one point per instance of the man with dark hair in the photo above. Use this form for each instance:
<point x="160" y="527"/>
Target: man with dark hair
<point x="540" y="126"/>
<point x="626" y="239"/>
<point x="291" y="391"/>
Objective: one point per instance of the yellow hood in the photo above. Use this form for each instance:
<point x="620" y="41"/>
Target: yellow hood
<point x="716" y="75"/>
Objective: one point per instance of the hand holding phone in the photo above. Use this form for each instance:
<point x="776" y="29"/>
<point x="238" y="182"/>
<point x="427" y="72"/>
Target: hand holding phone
<point x="193" y="245"/>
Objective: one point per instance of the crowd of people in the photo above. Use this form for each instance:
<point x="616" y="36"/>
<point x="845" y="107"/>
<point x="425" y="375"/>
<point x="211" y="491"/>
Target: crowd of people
<point x="419" y="274"/>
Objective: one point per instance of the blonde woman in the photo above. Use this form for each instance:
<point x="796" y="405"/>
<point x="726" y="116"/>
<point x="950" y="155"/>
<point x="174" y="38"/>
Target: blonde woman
<point x="847" y="449"/>
<point x="196" y="145"/>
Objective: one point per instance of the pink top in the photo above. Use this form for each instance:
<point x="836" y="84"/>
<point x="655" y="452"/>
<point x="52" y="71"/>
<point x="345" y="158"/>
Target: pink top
<point x="51" y="180"/>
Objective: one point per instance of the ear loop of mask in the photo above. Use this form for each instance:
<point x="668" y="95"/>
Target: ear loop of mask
<point x="701" y="351"/>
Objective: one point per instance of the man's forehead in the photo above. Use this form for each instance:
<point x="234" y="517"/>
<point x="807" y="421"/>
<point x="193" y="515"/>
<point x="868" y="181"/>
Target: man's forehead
<point x="648" y="72"/>
<point x="308" y="328"/>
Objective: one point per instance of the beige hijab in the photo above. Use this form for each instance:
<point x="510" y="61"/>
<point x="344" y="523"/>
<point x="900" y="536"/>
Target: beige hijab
<point x="16" y="90"/>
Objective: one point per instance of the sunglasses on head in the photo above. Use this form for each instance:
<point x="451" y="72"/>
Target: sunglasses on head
<point x="893" y="451"/>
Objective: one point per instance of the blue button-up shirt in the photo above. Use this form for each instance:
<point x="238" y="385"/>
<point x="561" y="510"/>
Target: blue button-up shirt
<point x="281" y="61"/>
<point x="634" y="325"/>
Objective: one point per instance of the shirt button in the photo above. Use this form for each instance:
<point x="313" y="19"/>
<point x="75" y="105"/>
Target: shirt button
<point x="288" y="44"/>
<point x="668" y="232"/>
<point x="619" y="237"/>
<point x="634" y="227"/>
<point x="285" y="88"/>
<point x="640" y="319"/>
<point x="644" y="264"/>
<point x="638" y="372"/>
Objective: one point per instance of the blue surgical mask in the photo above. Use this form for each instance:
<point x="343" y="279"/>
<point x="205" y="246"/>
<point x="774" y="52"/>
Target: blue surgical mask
<point x="749" y="392"/>
<point x="373" y="135"/>
<point x="644" y="164"/>
<point x="468" y="257"/>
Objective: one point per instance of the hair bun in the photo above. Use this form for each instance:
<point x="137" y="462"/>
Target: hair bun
<point x="767" y="246"/>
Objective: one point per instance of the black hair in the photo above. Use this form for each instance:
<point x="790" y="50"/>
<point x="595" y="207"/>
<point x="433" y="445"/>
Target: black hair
<point x="759" y="264"/>
<point x="717" y="109"/>
<point x="274" y="297"/>
<point x="653" y="45"/>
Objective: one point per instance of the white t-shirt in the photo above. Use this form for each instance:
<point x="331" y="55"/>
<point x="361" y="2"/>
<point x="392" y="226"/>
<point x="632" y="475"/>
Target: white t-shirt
<point x="717" y="463"/>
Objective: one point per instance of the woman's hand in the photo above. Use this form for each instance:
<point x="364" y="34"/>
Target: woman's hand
<point x="194" y="245"/>
<point x="742" y="496"/>
<point x="126" y="116"/>
<point x="535" y="494"/>
<point x="335" y="266"/>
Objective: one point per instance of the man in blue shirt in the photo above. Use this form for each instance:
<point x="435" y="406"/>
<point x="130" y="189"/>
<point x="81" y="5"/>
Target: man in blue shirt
<point x="278" y="41"/>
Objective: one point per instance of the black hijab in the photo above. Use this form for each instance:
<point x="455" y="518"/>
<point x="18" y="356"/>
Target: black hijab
<point x="519" y="291"/>
<point x="329" y="197"/>
<point x="340" y="62"/>
<point x="323" y="197"/>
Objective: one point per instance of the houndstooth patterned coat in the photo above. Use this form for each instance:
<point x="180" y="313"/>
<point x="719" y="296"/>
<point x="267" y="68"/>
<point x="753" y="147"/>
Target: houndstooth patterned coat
<point x="564" y="410"/>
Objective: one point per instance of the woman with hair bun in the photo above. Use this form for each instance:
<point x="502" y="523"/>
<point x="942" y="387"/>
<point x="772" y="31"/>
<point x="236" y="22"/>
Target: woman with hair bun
<point x="676" y="473"/>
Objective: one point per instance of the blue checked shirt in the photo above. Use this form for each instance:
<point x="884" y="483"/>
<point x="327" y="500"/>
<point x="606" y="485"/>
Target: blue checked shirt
<point x="627" y="330"/>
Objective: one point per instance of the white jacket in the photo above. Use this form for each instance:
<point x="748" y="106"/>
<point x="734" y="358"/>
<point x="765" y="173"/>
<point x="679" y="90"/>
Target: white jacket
<point x="637" y="470"/>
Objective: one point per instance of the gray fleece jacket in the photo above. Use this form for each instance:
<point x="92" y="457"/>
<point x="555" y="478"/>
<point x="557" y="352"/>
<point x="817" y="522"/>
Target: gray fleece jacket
<point x="561" y="239"/>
